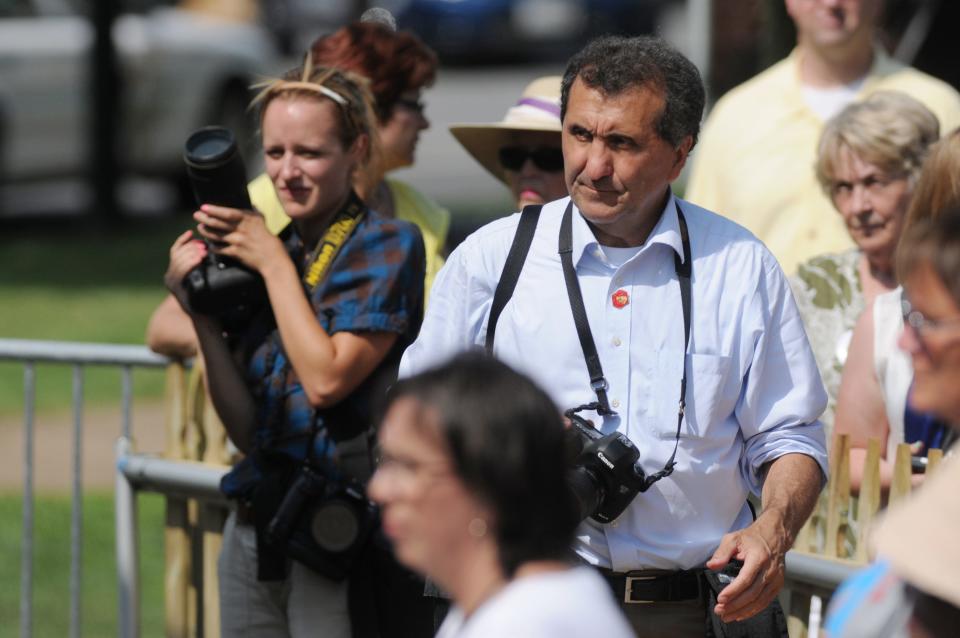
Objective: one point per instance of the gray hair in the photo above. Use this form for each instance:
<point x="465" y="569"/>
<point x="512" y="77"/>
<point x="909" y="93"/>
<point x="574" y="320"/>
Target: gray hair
<point x="889" y="129"/>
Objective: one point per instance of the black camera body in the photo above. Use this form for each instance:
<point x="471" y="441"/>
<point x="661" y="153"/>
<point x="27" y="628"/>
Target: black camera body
<point x="605" y="476"/>
<point x="220" y="285"/>
<point x="323" y="524"/>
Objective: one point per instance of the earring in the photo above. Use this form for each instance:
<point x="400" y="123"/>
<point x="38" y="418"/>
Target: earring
<point x="477" y="528"/>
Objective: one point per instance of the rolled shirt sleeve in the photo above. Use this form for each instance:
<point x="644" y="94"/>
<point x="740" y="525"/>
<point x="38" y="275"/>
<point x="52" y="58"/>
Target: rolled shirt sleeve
<point x="782" y="395"/>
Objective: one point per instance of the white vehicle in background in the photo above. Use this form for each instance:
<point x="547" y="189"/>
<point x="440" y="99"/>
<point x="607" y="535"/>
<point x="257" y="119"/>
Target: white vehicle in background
<point x="179" y="69"/>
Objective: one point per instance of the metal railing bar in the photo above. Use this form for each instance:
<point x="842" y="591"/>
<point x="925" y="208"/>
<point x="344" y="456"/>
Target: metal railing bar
<point x="182" y="478"/>
<point x="126" y="380"/>
<point x="128" y="556"/>
<point x="196" y="480"/>
<point x="26" y="547"/>
<point x="817" y="571"/>
<point x="76" y="516"/>
<point x="78" y="352"/>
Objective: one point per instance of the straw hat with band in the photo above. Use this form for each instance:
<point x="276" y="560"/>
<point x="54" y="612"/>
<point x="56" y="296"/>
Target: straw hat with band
<point x="538" y="109"/>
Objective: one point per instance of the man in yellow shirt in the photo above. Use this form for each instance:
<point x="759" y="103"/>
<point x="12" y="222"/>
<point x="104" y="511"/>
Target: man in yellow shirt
<point x="754" y="162"/>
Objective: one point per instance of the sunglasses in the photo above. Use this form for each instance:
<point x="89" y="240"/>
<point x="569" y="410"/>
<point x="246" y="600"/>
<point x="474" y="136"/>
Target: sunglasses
<point x="546" y="158"/>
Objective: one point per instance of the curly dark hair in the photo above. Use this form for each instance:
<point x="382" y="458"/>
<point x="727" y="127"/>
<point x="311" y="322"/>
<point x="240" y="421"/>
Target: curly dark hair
<point x="614" y="64"/>
<point x="393" y="61"/>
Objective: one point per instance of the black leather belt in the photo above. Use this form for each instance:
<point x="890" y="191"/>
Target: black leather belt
<point x="640" y="587"/>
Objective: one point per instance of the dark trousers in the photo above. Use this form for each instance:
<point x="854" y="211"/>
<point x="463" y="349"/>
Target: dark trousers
<point x="386" y="600"/>
<point x="692" y="617"/>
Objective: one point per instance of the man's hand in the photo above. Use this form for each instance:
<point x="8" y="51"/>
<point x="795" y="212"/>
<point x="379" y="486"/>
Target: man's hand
<point x="790" y="488"/>
<point x="761" y="547"/>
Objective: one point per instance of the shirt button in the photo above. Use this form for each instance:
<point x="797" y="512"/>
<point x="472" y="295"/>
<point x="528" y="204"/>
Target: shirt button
<point x="616" y="341"/>
<point x="616" y="403"/>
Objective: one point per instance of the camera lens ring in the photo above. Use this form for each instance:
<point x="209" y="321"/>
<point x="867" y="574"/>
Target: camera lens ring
<point x="335" y="526"/>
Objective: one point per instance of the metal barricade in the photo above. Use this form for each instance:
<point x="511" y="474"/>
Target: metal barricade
<point x="78" y="355"/>
<point x="182" y="480"/>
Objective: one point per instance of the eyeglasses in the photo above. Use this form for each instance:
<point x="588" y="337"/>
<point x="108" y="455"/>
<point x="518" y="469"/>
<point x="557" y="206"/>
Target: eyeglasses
<point x="417" y="106"/>
<point x="546" y="158"/>
<point x="409" y="471"/>
<point x="920" y="324"/>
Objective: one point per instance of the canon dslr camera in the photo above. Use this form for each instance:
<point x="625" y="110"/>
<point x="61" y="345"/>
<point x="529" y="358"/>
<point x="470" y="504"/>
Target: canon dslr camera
<point x="605" y="476"/>
<point x="219" y="285"/>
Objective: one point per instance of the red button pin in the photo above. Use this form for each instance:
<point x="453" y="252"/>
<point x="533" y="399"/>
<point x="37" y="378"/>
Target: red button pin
<point x="620" y="298"/>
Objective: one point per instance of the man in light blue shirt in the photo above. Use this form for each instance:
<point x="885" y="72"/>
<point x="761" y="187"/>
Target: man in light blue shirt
<point x="631" y="112"/>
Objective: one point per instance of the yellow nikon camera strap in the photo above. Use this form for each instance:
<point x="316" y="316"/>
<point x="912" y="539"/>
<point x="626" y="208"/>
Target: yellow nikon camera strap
<point x="334" y="238"/>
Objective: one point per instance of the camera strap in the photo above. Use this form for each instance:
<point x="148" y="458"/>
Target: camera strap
<point x="317" y="268"/>
<point x="511" y="269"/>
<point x="598" y="382"/>
<point x="333" y="239"/>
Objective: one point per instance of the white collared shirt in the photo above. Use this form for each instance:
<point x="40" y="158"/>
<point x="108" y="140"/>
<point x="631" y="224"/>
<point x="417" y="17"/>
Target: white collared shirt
<point x="753" y="389"/>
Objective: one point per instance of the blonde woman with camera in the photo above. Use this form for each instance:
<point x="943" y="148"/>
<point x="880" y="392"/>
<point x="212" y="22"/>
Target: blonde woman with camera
<point x="293" y="388"/>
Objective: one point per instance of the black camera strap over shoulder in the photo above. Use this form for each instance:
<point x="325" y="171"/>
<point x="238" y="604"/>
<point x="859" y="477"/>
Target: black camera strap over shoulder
<point x="511" y="269"/>
<point x="598" y="383"/>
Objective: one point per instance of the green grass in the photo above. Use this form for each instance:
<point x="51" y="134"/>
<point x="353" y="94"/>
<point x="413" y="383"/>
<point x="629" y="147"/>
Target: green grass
<point x="76" y="282"/>
<point x="81" y="284"/>
<point x="51" y="576"/>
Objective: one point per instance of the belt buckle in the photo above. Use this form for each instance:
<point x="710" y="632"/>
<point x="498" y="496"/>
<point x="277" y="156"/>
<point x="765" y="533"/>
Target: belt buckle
<point x="628" y="590"/>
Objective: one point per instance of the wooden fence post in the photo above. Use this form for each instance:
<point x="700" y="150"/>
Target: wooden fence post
<point x="838" y="498"/>
<point x="934" y="457"/>
<point x="901" y="482"/>
<point x="869" y="499"/>
<point x="176" y="536"/>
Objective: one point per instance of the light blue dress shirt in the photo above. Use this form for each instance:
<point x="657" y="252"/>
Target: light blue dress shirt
<point x="753" y="393"/>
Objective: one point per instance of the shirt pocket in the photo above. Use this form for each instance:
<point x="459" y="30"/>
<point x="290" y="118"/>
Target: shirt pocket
<point x="711" y="394"/>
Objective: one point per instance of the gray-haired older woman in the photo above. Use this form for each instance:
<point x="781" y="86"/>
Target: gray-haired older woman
<point x="868" y="160"/>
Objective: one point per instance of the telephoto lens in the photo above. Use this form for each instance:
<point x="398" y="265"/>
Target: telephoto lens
<point x="215" y="168"/>
<point x="219" y="285"/>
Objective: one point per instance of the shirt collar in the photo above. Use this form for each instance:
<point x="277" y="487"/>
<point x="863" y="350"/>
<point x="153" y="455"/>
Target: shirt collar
<point x="666" y="232"/>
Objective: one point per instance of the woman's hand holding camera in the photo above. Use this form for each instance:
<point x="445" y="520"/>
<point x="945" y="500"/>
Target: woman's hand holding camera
<point x="240" y="234"/>
<point x="185" y="254"/>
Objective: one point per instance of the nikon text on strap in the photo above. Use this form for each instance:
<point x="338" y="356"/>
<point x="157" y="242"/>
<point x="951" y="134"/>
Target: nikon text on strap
<point x="334" y="237"/>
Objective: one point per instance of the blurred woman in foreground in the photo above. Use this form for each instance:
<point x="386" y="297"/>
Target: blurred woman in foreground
<point x="471" y="482"/>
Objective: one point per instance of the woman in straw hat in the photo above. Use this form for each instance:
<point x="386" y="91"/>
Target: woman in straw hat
<point x="523" y="149"/>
